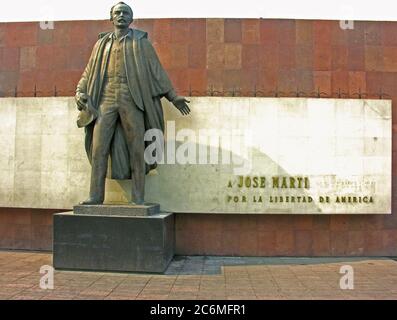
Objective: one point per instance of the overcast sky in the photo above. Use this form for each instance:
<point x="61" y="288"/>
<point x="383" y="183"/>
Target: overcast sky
<point x="54" y="10"/>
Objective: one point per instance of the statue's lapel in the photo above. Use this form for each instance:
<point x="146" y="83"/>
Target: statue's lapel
<point x="132" y="71"/>
<point x="106" y="53"/>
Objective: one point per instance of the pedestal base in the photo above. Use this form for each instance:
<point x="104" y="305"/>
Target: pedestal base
<point x="113" y="243"/>
<point x="118" y="210"/>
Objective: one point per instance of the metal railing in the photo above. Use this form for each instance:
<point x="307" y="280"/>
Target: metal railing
<point x="211" y="92"/>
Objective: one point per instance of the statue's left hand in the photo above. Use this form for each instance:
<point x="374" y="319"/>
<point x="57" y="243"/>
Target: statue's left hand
<point x="181" y="104"/>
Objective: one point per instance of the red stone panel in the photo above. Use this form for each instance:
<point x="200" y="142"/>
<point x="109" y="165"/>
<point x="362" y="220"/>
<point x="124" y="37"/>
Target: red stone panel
<point x="45" y="36"/>
<point x="356" y="58"/>
<point x="285" y="242"/>
<point x="287" y="32"/>
<point x="250" y="31"/>
<point x="356" y="243"/>
<point x="339" y="243"/>
<point x="215" y="30"/>
<point x="389" y="83"/>
<point x="268" y="80"/>
<point x="162" y="31"/>
<point x="373" y="33"/>
<point x="269" y="58"/>
<point x="197" y="31"/>
<point x="66" y="81"/>
<point x="22" y="237"/>
<point x="44" y="57"/>
<point x="321" y="223"/>
<point x="232" y="80"/>
<point x="27" y="59"/>
<point x="8" y="82"/>
<point x="390" y="59"/>
<point x="389" y="33"/>
<point x="304" y="32"/>
<point x="269" y="32"/>
<point x="305" y="222"/>
<point x="389" y="240"/>
<point x="287" y="82"/>
<point x="250" y="81"/>
<point x="198" y="81"/>
<point x="373" y="242"/>
<point x="67" y="56"/>
<point x="305" y="82"/>
<point x="340" y="82"/>
<point x="180" y="31"/>
<point x="321" y="243"/>
<point x="339" y="57"/>
<point x="232" y="56"/>
<point x="178" y="78"/>
<point x="215" y="79"/>
<point x="339" y="222"/>
<point x="215" y="55"/>
<point x="3" y="32"/>
<point x="356" y="222"/>
<point x="356" y="37"/>
<point x="27" y="80"/>
<point x="322" y="82"/>
<point x="373" y="82"/>
<point x="179" y="55"/>
<point x="357" y="83"/>
<point x="248" y="243"/>
<point x="41" y="237"/>
<point x="10" y="59"/>
<point x="62" y="32"/>
<point x="322" y="57"/>
<point x="165" y="55"/>
<point x="250" y="56"/>
<point x="304" y="57"/>
<point x="287" y="57"/>
<point x="21" y="34"/>
<point x="267" y="243"/>
<point x="322" y="32"/>
<point x="77" y="57"/>
<point x="45" y="82"/>
<point x="197" y="55"/>
<point x="78" y="33"/>
<point x="339" y="36"/>
<point x="212" y="241"/>
<point x="303" y="243"/>
<point x="233" y="30"/>
<point x="374" y="58"/>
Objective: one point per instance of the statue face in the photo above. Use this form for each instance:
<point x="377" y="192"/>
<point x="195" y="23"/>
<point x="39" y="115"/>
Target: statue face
<point x="121" y="16"/>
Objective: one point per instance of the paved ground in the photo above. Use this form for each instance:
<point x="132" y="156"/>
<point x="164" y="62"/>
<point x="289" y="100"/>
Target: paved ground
<point x="205" y="278"/>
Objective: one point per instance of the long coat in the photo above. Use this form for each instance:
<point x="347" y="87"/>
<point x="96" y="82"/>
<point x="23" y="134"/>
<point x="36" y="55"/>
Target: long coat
<point x="148" y="83"/>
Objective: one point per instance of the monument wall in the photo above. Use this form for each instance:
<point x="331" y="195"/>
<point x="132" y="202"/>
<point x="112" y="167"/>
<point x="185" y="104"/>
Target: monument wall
<point x="225" y="57"/>
<point x="232" y="155"/>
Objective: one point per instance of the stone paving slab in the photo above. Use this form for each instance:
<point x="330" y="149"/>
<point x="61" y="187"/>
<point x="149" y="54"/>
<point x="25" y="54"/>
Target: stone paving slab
<point x="204" y="278"/>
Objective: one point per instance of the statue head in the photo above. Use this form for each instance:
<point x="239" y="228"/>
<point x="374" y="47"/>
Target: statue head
<point x="121" y="15"/>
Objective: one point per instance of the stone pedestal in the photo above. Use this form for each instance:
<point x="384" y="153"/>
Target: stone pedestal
<point x="113" y="238"/>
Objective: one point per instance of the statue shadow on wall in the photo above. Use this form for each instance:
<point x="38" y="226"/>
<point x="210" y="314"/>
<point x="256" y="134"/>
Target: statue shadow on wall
<point x="203" y="188"/>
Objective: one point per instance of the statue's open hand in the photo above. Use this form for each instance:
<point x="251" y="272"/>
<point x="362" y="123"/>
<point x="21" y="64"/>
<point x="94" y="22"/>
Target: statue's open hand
<point x="181" y="104"/>
<point x="81" y="100"/>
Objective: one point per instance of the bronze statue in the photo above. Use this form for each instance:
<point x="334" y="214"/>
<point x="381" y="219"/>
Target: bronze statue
<point x="119" y="99"/>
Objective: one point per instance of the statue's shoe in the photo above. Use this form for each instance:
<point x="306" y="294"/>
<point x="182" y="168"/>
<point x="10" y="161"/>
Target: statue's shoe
<point x="90" y="202"/>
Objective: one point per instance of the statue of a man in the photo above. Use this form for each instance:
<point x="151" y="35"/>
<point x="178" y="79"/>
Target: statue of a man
<point x="119" y="99"/>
